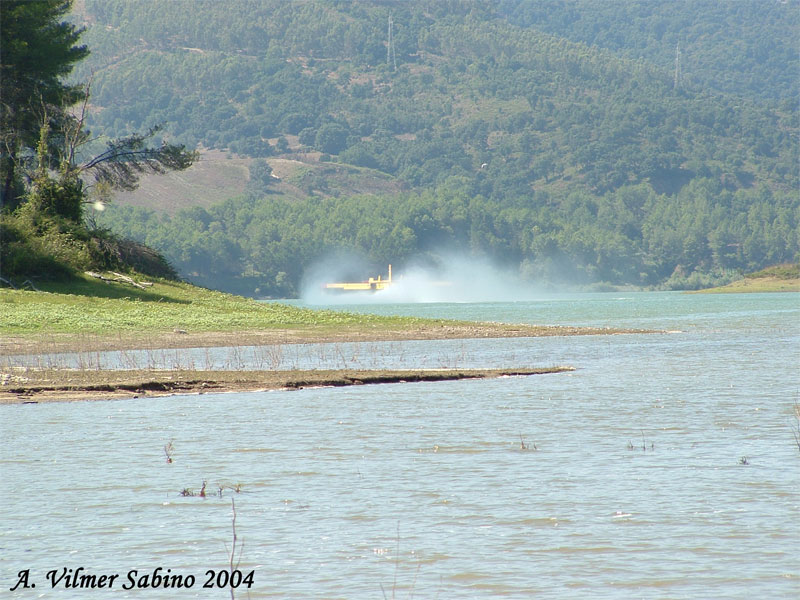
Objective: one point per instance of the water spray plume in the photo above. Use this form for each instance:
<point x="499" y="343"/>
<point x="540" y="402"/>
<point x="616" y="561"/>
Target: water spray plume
<point x="452" y="279"/>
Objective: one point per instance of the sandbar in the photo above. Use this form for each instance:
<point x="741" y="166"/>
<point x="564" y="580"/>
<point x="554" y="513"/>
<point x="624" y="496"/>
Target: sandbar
<point x="62" y="385"/>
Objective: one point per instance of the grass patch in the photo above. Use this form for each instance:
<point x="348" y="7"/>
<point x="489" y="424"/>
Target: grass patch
<point x="85" y="315"/>
<point x="778" y="278"/>
<point x="84" y="305"/>
<point x="784" y="271"/>
<point x="755" y="286"/>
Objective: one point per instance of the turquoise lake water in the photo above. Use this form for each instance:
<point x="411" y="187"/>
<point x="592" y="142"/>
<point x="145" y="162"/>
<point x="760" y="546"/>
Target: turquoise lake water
<point x="663" y="467"/>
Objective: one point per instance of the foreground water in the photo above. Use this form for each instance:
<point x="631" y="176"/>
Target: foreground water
<point x="664" y="467"/>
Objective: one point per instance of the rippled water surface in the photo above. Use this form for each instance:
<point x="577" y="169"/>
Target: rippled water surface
<point x="633" y="483"/>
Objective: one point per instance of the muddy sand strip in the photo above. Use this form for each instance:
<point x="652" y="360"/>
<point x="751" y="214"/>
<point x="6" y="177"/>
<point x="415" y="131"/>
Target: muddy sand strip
<point x="34" y="386"/>
<point x="54" y="342"/>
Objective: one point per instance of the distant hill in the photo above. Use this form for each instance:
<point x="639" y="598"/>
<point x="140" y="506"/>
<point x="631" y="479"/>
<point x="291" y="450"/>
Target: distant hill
<point x="213" y="177"/>
<point x="629" y="142"/>
<point x="467" y="85"/>
<point x="746" y="48"/>
<point x="220" y="175"/>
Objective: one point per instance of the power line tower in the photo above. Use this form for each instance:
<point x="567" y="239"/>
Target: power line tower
<point x="677" y="83"/>
<point x="391" y="59"/>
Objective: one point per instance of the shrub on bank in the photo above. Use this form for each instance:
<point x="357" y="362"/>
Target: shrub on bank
<point x="37" y="246"/>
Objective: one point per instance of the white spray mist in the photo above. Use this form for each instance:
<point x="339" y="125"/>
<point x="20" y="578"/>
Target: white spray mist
<point x="453" y="278"/>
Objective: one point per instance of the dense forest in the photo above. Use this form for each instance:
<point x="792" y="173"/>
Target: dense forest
<point x="631" y="142"/>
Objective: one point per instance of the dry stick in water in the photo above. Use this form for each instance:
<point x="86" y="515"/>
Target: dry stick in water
<point x="396" y="566"/>
<point x="396" y="561"/>
<point x="232" y="552"/>
<point x="796" y="427"/>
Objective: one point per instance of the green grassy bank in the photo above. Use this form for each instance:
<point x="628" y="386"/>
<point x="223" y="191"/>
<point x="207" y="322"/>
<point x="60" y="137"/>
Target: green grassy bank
<point x="778" y="278"/>
<point x="87" y="314"/>
<point x="86" y="305"/>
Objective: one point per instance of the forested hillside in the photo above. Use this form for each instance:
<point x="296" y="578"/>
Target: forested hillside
<point x="567" y="139"/>
<point x="742" y="48"/>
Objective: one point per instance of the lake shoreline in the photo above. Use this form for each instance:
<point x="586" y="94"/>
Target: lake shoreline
<point x="47" y="343"/>
<point x="755" y="285"/>
<point x="60" y="385"/>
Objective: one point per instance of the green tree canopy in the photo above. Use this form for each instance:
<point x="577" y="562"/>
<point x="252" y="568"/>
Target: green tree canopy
<point x="37" y="50"/>
<point x="43" y="195"/>
<point x="125" y="159"/>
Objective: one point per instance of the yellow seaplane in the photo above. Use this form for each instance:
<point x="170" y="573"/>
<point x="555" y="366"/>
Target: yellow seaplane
<point x="371" y="285"/>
